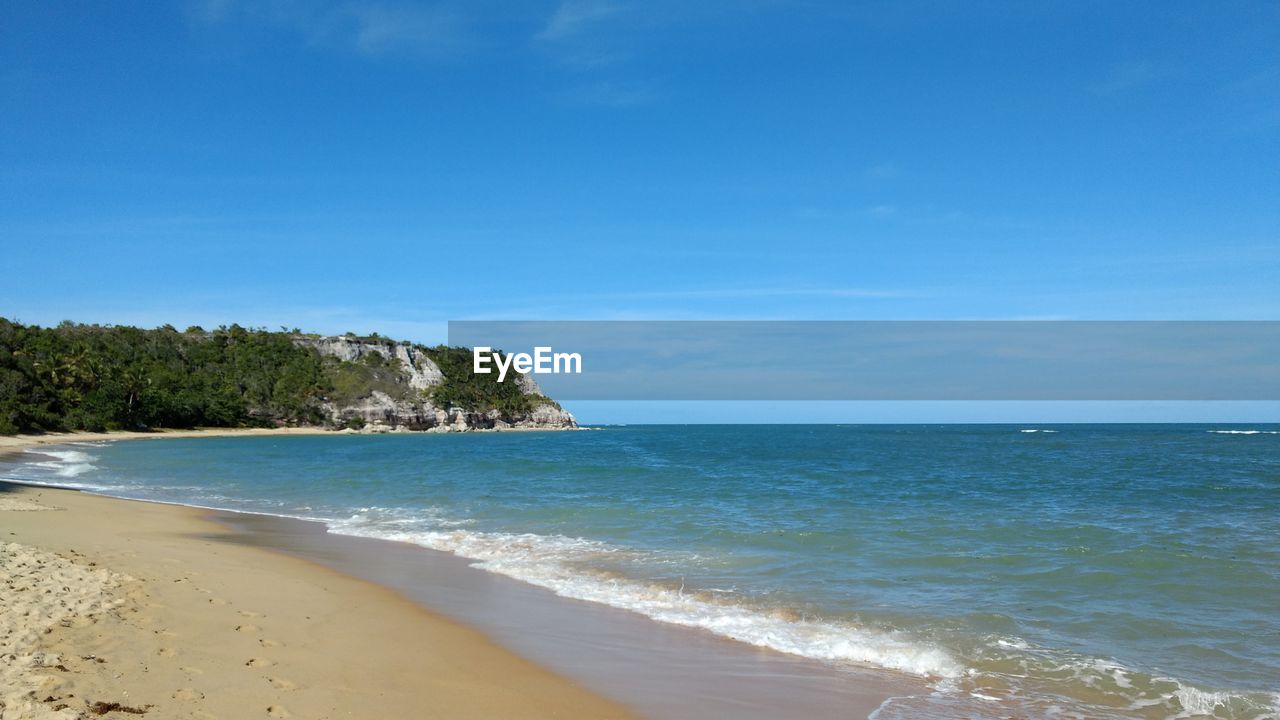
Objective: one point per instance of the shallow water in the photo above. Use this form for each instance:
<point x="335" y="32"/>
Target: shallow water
<point x="1079" y="571"/>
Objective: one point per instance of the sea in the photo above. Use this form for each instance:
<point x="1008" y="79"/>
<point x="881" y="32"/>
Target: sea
<point x="1037" y="571"/>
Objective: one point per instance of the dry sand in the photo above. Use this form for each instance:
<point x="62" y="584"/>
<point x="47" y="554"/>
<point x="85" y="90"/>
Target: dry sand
<point x="12" y="443"/>
<point x="113" y="608"/>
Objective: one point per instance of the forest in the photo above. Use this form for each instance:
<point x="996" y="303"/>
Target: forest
<point x="105" y="377"/>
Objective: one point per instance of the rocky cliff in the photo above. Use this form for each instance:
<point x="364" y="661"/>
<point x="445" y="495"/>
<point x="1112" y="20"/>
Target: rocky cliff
<point x="381" y="385"/>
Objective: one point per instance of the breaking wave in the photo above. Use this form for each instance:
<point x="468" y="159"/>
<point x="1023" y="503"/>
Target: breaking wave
<point x="66" y="463"/>
<point x="564" y="566"/>
<point x="1245" y="432"/>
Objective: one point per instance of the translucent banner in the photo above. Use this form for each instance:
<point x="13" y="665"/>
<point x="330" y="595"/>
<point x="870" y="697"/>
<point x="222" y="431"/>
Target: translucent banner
<point x="882" y="360"/>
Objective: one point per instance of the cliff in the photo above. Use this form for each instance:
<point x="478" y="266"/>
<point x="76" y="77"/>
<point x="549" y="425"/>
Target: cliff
<point x="381" y="385"/>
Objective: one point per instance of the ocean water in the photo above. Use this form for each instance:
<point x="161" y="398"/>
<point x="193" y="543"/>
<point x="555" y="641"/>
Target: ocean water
<point x="1074" y="571"/>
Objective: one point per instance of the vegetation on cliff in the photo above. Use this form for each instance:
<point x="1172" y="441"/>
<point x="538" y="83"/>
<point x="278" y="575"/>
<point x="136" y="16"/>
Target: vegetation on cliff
<point x="91" y="377"/>
<point x="463" y="388"/>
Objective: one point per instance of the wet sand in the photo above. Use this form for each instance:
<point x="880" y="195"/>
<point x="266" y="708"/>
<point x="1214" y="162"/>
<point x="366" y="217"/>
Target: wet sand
<point x="660" y="670"/>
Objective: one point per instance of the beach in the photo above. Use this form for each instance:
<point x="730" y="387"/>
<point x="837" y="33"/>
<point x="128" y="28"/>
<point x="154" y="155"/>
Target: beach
<point x="669" y="572"/>
<point x="17" y="443"/>
<point x="116" y="608"/>
<point x="189" y="612"/>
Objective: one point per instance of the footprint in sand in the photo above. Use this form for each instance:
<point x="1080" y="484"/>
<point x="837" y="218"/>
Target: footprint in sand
<point x="282" y="684"/>
<point x="250" y="614"/>
<point x="217" y="601"/>
<point x="278" y="711"/>
<point x="260" y="662"/>
<point x="191" y="670"/>
<point x="248" y="629"/>
<point x="166" y="652"/>
<point x="268" y="643"/>
<point x="188" y="694"/>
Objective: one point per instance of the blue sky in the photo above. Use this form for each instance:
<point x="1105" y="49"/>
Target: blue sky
<point x="388" y="166"/>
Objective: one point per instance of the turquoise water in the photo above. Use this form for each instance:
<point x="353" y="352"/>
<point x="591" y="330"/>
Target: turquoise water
<point x="1077" y="571"/>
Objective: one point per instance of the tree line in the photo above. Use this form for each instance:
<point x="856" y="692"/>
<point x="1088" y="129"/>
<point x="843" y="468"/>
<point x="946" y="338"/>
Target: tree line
<point x="96" y="378"/>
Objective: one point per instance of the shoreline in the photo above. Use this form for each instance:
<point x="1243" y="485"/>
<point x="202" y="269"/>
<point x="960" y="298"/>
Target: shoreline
<point x="16" y="443"/>
<point x="182" y="623"/>
<point x="660" y="670"/>
<point x="656" y="669"/>
<point x="21" y="441"/>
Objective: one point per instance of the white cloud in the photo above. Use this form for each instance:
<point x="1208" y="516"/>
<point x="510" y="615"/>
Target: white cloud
<point x="382" y="28"/>
<point x="370" y="27"/>
<point x="732" y="293"/>
<point x="572" y="16"/>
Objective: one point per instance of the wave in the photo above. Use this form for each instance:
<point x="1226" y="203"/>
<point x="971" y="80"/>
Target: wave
<point x="563" y="565"/>
<point x="1244" y="432"/>
<point x="1007" y="670"/>
<point x="67" y="463"/>
<point x="70" y="456"/>
<point x="1038" y="431"/>
<point x="984" y="684"/>
<point x="1196" y="703"/>
<point x="1013" y="678"/>
<point x="1183" y="703"/>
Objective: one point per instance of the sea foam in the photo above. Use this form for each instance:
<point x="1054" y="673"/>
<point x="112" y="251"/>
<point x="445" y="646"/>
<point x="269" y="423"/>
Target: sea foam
<point x="67" y="463"/>
<point x="1245" y="432"/>
<point x="562" y="565"/>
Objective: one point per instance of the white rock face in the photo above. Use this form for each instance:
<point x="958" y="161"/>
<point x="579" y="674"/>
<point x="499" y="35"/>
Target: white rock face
<point x="528" y="385"/>
<point x="383" y="413"/>
<point x="423" y="373"/>
<point x="549" y="416"/>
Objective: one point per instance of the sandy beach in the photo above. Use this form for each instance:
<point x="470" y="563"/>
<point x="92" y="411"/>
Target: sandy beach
<point x="15" y="443"/>
<point x="116" y="608"/>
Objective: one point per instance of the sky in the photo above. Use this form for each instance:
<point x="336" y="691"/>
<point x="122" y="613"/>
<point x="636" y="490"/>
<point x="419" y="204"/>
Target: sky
<point x="388" y="166"/>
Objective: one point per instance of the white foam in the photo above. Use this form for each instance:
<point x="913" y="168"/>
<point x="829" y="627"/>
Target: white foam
<point x="67" y="463"/>
<point x="563" y="565"/>
<point x="70" y="456"/>
<point x="1245" y="432"/>
<point x="1198" y="702"/>
<point x="1015" y="643"/>
<point x="1038" y="431"/>
<point x="1131" y="688"/>
<point x="66" y="470"/>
